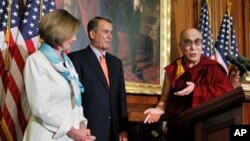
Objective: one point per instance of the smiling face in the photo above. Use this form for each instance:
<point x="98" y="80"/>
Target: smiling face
<point x="101" y="38"/>
<point x="191" y="46"/>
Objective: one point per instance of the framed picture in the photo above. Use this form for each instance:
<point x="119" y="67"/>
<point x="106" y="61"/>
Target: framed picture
<point x="161" y="54"/>
<point x="141" y="37"/>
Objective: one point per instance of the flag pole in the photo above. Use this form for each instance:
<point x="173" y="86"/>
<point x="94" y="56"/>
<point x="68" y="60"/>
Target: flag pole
<point x="5" y="128"/>
<point x="229" y="8"/>
<point x="209" y="13"/>
<point x="7" y="39"/>
<point x="41" y="12"/>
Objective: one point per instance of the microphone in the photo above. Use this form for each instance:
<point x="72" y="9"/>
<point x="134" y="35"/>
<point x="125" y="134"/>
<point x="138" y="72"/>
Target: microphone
<point x="242" y="59"/>
<point x="234" y="60"/>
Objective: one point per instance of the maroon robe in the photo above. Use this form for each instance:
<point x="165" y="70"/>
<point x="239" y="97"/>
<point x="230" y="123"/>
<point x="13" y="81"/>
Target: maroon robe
<point x="210" y="81"/>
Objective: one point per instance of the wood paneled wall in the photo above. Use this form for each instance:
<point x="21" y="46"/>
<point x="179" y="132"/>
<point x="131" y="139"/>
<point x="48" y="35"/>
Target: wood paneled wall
<point x="138" y="103"/>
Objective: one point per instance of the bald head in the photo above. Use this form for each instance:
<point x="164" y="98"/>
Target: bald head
<point x="188" y="32"/>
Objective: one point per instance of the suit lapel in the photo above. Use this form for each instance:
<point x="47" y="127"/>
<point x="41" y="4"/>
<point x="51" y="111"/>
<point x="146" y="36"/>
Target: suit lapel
<point x="94" y="63"/>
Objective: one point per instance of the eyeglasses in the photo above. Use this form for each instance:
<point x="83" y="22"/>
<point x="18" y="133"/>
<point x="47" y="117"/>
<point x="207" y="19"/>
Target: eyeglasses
<point x="188" y="42"/>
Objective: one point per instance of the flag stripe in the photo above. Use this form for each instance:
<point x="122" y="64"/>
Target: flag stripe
<point x="17" y="65"/>
<point x="16" y="95"/>
<point x="2" y="77"/>
<point x="12" y="110"/>
<point x="30" y="45"/>
<point x="23" y="40"/>
<point x="6" y="122"/>
<point x="16" y="55"/>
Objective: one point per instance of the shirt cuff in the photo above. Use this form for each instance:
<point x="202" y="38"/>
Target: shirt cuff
<point x="63" y="130"/>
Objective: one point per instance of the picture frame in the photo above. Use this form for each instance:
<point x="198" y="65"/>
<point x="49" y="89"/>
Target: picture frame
<point x="164" y="51"/>
<point x="159" y="37"/>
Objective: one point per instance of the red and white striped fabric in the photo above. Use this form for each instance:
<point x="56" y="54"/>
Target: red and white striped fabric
<point x="13" y="105"/>
<point x="22" y="41"/>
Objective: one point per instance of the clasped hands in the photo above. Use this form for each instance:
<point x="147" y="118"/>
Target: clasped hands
<point x="82" y="134"/>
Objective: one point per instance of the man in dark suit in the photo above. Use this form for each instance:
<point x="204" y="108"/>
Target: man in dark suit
<point x="104" y="99"/>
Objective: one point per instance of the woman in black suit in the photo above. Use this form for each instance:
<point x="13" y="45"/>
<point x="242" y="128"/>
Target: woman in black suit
<point x="104" y="99"/>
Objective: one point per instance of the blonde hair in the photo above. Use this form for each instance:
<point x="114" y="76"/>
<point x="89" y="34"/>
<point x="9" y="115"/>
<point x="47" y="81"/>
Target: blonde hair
<point x="57" y="27"/>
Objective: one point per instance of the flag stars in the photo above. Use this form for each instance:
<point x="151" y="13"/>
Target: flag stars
<point x="35" y="9"/>
<point x="44" y="7"/>
<point x="13" y="21"/>
<point x="15" y="14"/>
<point x="1" y="11"/>
<point x="17" y="7"/>
<point x="32" y="25"/>
<point x="25" y="21"/>
<point x="34" y="17"/>
<point x="52" y="3"/>
<point x="26" y="13"/>
<point x="29" y="6"/>
<point x="4" y="24"/>
<point x="30" y="33"/>
<point x="3" y="3"/>
<point x="5" y="16"/>
<point x="51" y="10"/>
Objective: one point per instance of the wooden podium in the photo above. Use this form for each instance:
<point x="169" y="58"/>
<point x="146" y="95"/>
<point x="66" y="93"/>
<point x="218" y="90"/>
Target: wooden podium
<point x="212" y="119"/>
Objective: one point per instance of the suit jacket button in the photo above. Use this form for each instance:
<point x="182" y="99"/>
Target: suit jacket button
<point x="109" y="117"/>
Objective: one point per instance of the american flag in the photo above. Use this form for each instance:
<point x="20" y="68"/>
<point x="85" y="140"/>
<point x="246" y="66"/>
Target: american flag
<point x="2" y="56"/>
<point x="208" y="46"/>
<point x="12" y="112"/>
<point x="22" y="42"/>
<point x="226" y="41"/>
<point x="32" y="15"/>
<point x="3" y="48"/>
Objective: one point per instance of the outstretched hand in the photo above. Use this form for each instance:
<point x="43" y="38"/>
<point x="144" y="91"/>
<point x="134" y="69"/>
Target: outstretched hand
<point x="186" y="91"/>
<point x="153" y="115"/>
